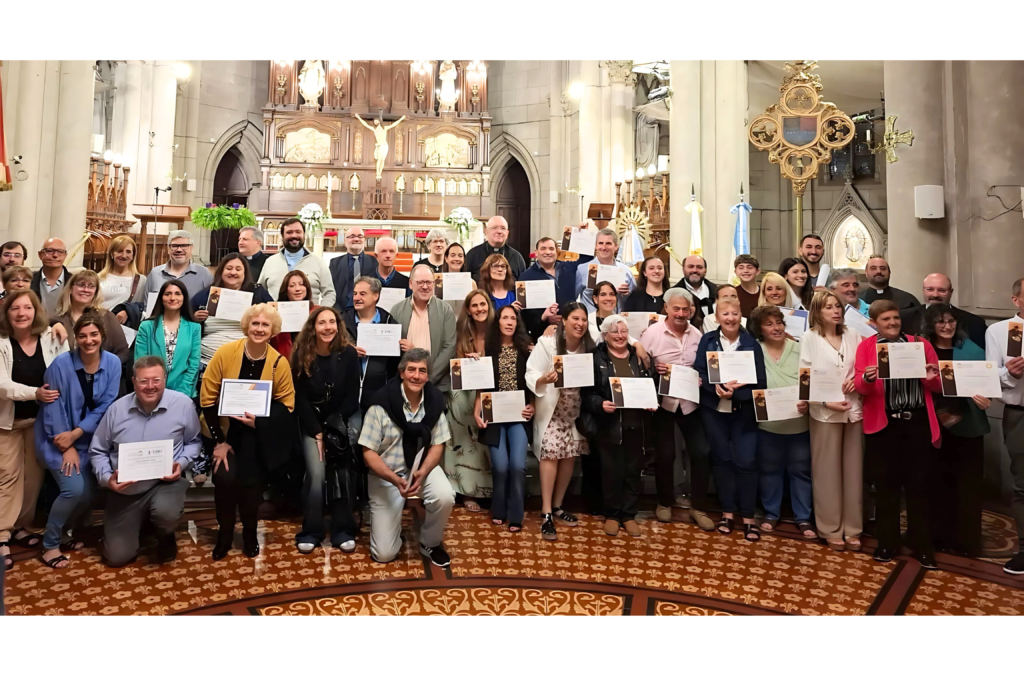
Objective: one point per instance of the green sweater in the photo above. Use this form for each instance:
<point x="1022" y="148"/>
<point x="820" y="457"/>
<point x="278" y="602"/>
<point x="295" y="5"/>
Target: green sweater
<point x="785" y="373"/>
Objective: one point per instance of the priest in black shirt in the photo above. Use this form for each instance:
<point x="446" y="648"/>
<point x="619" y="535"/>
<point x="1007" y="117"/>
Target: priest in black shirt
<point x="495" y="238"/>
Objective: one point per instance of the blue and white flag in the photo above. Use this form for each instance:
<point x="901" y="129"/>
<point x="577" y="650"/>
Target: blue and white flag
<point x="741" y="235"/>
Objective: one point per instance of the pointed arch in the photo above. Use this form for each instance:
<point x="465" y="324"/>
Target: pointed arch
<point x="505" y="147"/>
<point x="247" y="140"/>
<point x="849" y="204"/>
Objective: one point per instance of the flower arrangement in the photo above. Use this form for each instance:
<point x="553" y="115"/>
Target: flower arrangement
<point x="223" y="217"/>
<point x="311" y="215"/>
<point x="461" y="220"/>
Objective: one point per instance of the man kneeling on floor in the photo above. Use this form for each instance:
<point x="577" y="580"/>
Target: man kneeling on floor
<point x="405" y="427"/>
<point x="152" y="413"/>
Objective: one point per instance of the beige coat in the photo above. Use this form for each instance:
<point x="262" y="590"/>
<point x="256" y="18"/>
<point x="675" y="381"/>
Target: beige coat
<point x="11" y="391"/>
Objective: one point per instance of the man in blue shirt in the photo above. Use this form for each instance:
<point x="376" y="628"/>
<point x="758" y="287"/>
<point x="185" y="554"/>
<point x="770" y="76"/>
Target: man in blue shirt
<point x="606" y="248"/>
<point x="563" y="273"/>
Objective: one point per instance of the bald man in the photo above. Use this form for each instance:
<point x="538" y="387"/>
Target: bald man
<point x="937" y="289"/>
<point x="353" y="264"/>
<point x="49" y="281"/>
<point x="495" y="241"/>
<point x="386" y="250"/>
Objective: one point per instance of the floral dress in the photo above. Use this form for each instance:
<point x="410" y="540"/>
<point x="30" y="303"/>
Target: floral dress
<point x="171" y="342"/>
<point x="558" y="441"/>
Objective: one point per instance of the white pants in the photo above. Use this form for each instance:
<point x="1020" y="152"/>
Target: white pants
<point x="386" y="504"/>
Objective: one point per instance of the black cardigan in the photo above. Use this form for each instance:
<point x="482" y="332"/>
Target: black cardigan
<point x="608" y="425"/>
<point x="343" y="373"/>
<point x="492" y="434"/>
<point x="379" y="369"/>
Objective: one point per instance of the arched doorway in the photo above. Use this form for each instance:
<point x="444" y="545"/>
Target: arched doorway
<point x="230" y="186"/>
<point x="513" y="204"/>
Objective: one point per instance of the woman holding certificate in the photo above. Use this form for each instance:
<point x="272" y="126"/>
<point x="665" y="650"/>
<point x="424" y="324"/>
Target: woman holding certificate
<point x="727" y="410"/>
<point x="324" y="367"/>
<point x="27" y="347"/>
<point x="253" y="430"/>
<point x="82" y="294"/>
<point x="497" y="282"/>
<point x="294" y="288"/>
<point x="466" y="460"/>
<point x="901" y="428"/>
<point x="172" y="334"/>
<point x="556" y="440"/>
<point x="232" y="274"/>
<point x="958" y="465"/>
<point x="783" y="446"/>
<point x="649" y="295"/>
<point x="508" y="345"/>
<point x="837" y="455"/>
<point x="619" y="430"/>
<point x="87" y="380"/>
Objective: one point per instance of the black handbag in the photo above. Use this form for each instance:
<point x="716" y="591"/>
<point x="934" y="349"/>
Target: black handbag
<point x="345" y="470"/>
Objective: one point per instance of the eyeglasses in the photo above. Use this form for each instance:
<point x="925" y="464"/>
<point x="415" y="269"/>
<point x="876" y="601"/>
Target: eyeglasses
<point x="945" y="322"/>
<point x="12" y="255"/>
<point x="355" y="236"/>
<point x="619" y="331"/>
<point x="85" y="285"/>
<point x="178" y="247"/>
<point x="155" y="382"/>
<point x="499" y="267"/>
<point x="424" y="283"/>
<point x="54" y="251"/>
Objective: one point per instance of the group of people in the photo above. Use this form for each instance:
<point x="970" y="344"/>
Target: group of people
<point x="377" y="432"/>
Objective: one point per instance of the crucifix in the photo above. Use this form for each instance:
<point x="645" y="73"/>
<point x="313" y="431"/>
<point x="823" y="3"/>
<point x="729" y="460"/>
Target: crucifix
<point x="891" y="138"/>
<point x="800" y="132"/>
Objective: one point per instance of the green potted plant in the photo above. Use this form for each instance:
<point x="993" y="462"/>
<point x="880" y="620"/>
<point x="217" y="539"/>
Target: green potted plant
<point x="223" y="217"/>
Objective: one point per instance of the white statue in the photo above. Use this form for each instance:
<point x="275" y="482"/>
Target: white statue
<point x="380" y="146"/>
<point x="447" y="74"/>
<point x="311" y="81"/>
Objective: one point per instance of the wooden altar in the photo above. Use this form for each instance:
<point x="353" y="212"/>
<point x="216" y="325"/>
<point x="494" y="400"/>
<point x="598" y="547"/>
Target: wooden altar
<point x="327" y="123"/>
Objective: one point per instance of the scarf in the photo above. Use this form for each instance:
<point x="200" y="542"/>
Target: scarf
<point x="415" y="435"/>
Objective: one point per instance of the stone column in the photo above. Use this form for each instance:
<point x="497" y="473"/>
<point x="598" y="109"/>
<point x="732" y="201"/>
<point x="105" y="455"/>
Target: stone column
<point x="684" y="154"/>
<point x="25" y="139"/>
<point x="605" y="189"/>
<point x="161" y="132"/>
<point x="619" y="76"/>
<point x="71" y="161"/>
<point x="128" y="102"/>
<point x="590" y="131"/>
<point x="557" y="167"/>
<point x="916" y="248"/>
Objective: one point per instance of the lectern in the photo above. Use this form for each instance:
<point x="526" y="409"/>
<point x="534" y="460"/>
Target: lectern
<point x="148" y="215"/>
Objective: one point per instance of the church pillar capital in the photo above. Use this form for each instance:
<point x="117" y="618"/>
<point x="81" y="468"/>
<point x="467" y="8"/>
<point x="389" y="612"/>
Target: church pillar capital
<point x="620" y="72"/>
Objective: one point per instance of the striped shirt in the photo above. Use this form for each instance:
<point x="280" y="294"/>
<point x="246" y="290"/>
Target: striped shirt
<point x="383" y="436"/>
<point x="902" y="394"/>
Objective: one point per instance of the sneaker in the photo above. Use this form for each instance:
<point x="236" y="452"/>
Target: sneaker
<point x="547" y="528"/>
<point x="438" y="556"/>
<point x="702" y="520"/>
<point x="663" y="514"/>
<point x="1016" y="565"/>
<point x="348" y="546"/>
<point x="883" y="554"/>
<point x="927" y="560"/>
<point x="683" y="501"/>
<point x="632" y="529"/>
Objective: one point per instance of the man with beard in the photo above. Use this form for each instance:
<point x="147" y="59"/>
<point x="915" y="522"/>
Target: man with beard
<point x="878" y="273"/>
<point x="496" y="236"/>
<point x="811" y="252"/>
<point x="702" y="290"/>
<point x="938" y="290"/>
<point x="294" y="256"/>
<point x="347" y="268"/>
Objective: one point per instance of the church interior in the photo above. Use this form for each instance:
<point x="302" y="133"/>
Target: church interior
<point x="918" y="161"/>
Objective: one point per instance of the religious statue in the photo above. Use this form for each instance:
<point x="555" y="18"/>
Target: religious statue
<point x="380" y="146"/>
<point x="311" y="81"/>
<point x="447" y="74"/>
<point x="855" y="240"/>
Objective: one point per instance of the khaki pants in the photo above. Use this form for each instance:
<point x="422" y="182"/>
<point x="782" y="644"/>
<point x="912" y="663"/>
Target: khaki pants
<point x="837" y="476"/>
<point x="21" y="478"/>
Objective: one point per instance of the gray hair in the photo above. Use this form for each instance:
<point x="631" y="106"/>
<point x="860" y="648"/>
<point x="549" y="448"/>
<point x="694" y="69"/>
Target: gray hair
<point x="178" y="234"/>
<point x="611" y="322"/>
<point x="416" y="355"/>
<point x="381" y="240"/>
<point x="374" y="284"/>
<point x="609" y="232"/>
<point x="148" y="362"/>
<point x="256" y="233"/>
<point x="676" y="292"/>
<point x="436" y="233"/>
<point x="841" y="273"/>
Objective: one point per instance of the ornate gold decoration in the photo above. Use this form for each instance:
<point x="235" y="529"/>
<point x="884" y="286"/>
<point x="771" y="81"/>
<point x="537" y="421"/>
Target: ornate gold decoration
<point x="447" y="150"/>
<point x="891" y="138"/>
<point x="311" y="82"/>
<point x="357" y="153"/>
<point x="419" y="94"/>
<point x="307" y="145"/>
<point x="633" y="217"/>
<point x="339" y="89"/>
<point x="399" y="146"/>
<point x="281" y="79"/>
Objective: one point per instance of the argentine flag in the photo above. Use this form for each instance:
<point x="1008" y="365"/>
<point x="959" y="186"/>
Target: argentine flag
<point x="741" y="235"/>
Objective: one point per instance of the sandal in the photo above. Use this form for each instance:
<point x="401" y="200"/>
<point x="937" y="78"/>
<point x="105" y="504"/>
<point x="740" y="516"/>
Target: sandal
<point x="837" y="544"/>
<point x="807" y="530"/>
<point x="55" y="563"/>
<point x="72" y="545"/>
<point x="515" y="527"/>
<point x="564" y="516"/>
<point x="769" y="524"/>
<point x="27" y="540"/>
<point x="853" y="544"/>
<point x="472" y="506"/>
<point x="750" y="532"/>
<point x="8" y="560"/>
<point x="497" y="521"/>
<point x="724" y="526"/>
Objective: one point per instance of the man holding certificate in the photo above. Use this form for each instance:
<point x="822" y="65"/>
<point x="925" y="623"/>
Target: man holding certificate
<point x="148" y="420"/>
<point x="428" y="324"/>
<point x="902" y="432"/>
<point x="607" y="247"/>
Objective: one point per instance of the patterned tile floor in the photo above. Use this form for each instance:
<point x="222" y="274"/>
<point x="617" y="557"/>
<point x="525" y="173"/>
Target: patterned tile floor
<point x="673" y="569"/>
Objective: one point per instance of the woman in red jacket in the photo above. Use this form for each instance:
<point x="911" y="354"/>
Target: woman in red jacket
<point x="901" y="428"/>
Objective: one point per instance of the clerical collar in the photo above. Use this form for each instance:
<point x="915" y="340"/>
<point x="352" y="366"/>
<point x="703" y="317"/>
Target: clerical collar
<point x="701" y="292"/>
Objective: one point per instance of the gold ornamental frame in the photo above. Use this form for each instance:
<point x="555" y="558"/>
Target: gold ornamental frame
<point x="801" y="131"/>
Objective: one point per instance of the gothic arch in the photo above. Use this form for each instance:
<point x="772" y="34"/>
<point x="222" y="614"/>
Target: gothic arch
<point x="247" y="140"/>
<point x="847" y="204"/>
<point x="504" y="147"/>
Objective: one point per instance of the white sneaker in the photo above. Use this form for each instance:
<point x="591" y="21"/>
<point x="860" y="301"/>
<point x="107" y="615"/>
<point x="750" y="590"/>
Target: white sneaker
<point x="306" y="547"/>
<point x="348" y="546"/>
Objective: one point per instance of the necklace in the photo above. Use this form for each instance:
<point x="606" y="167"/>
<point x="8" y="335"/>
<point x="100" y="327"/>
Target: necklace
<point x="250" y="357"/>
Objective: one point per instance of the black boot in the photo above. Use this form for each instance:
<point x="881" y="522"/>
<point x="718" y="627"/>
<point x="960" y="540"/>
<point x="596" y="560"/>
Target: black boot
<point x="224" y="540"/>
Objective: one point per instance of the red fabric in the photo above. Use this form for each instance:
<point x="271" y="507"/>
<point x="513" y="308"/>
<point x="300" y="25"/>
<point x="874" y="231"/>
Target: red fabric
<point x="873" y="393"/>
<point x="283" y="343"/>
<point x="5" y="170"/>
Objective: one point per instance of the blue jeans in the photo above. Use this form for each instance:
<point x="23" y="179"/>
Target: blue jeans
<point x="76" y="493"/>
<point x="508" y="470"/>
<point x="733" y="440"/>
<point x="779" y="455"/>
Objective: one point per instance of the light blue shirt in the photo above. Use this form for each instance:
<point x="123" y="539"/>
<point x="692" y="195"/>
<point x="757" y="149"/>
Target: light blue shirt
<point x="586" y="295"/>
<point x="366" y="359"/>
<point x="292" y="259"/>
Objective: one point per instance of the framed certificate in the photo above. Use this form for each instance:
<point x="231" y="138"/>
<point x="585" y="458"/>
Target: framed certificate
<point x="146" y="460"/>
<point x="538" y="294"/>
<point x="238" y="397"/>
<point x="771" y="405"/>
<point x="379" y="339"/>
<point x="503" y="406"/>
<point x="151" y="303"/>
<point x="1014" y="337"/>
<point x="293" y="315"/>
<point x="680" y="382"/>
<point x="225" y="303"/>
<point x="901" y="360"/>
<point x="574" y="371"/>
<point x="970" y="378"/>
<point x="472" y="374"/>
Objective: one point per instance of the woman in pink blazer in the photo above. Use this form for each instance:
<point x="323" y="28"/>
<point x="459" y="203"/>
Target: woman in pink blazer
<point x="901" y="429"/>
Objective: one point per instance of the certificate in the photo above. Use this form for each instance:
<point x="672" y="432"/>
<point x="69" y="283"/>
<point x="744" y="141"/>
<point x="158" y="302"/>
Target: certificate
<point x="294" y="315"/>
<point x="638" y="322"/>
<point x="472" y="374"/>
<point x="680" y="382"/>
<point x="151" y="304"/>
<point x="574" y="371"/>
<point x="633" y="392"/>
<point x="771" y="405"/>
<point x="597" y="273"/>
<point x="389" y="297"/>
<point x="225" y="303"/>
<point x="735" y="366"/>
<point x="238" y="397"/>
<point x="582" y="241"/>
<point x="970" y="378"/>
<point x="901" y="360"/>
<point x="453" y="285"/>
<point x="146" y="460"/>
<point x="858" y="322"/>
<point x="822" y="385"/>
<point x="129" y="334"/>
<point x="379" y="339"/>
<point x="503" y="406"/>
<point x="536" y="294"/>
<point x="796" y="321"/>
<point x="1014" y="336"/>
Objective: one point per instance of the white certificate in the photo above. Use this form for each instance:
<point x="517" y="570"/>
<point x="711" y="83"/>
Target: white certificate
<point x="822" y="385"/>
<point x="238" y="397"/>
<point x="379" y="339"/>
<point x="472" y="374"/>
<point x="150" y="304"/>
<point x="724" y="367"/>
<point x="389" y="297"/>
<point x="538" y="294"/>
<point x="680" y="382"/>
<point x="612" y="273"/>
<point x="858" y="322"/>
<point x="294" y="315"/>
<point x="129" y="334"/>
<point x="970" y="378"/>
<point x="583" y="241"/>
<point x="638" y="322"/>
<point x="574" y="371"/>
<point x="633" y="392"/>
<point x="146" y="460"/>
<point x="796" y="321"/>
<point x="901" y="360"/>
<point x="771" y="405"/>
<point x="503" y="406"/>
<point x="225" y="303"/>
<point x="453" y="285"/>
